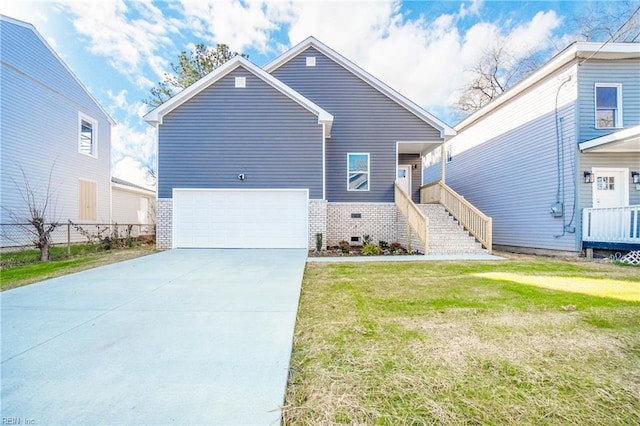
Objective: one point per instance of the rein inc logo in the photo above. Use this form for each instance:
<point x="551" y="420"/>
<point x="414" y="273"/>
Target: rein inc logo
<point x="18" y="421"/>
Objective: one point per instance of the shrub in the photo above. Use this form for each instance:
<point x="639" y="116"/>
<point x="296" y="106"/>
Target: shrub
<point x="383" y="244"/>
<point x="371" y="250"/>
<point x="366" y="239"/>
<point x="344" y="246"/>
<point x="395" y="248"/>
<point x="319" y="241"/>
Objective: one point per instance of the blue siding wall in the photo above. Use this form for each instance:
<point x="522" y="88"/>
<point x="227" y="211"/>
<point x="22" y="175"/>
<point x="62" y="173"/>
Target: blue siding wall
<point x="591" y="72"/>
<point x="40" y="102"/>
<point x="365" y="121"/>
<point x="224" y="131"/>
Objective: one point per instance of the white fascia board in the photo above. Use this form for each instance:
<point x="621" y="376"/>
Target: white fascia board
<point x="53" y="52"/>
<point x="612" y="138"/>
<point x="577" y="50"/>
<point x="140" y="191"/>
<point x="445" y="130"/>
<point x="155" y="117"/>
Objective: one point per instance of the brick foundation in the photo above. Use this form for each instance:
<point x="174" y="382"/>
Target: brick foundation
<point x="378" y="220"/>
<point x="317" y="222"/>
<point x="164" y="223"/>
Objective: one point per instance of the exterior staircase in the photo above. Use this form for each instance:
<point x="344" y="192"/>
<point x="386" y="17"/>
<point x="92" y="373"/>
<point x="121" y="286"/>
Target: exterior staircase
<point x="446" y="235"/>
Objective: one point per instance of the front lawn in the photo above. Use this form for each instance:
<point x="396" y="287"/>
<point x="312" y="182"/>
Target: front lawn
<point x="24" y="267"/>
<point x="523" y="341"/>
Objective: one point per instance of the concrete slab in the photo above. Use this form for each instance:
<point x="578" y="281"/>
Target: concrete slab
<point x="179" y="337"/>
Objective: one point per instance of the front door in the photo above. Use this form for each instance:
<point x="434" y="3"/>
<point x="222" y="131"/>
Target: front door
<point x="404" y="179"/>
<point x="610" y="188"/>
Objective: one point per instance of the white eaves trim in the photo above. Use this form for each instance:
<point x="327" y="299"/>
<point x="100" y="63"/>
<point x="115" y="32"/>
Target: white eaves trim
<point x="66" y="67"/>
<point x="575" y="51"/>
<point x="445" y="130"/>
<point x="627" y="140"/>
<point x="155" y="116"/>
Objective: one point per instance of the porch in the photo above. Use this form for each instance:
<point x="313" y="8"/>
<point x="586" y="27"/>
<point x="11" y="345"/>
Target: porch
<point x="616" y="228"/>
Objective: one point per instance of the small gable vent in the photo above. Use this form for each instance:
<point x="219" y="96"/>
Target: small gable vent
<point x="311" y="61"/>
<point x="241" y="82"/>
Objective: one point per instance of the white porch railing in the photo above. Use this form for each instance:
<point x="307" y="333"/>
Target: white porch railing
<point x="613" y="224"/>
<point x="416" y="220"/>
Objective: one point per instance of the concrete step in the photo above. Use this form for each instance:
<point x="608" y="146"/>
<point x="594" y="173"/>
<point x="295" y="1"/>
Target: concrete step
<point x="446" y="235"/>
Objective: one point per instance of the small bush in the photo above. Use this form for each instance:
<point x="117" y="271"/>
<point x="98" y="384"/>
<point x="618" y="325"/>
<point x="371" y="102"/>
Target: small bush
<point x="319" y="241"/>
<point x="395" y="248"/>
<point x="371" y="250"/>
<point x="383" y="244"/>
<point x="344" y="246"/>
<point x="366" y="239"/>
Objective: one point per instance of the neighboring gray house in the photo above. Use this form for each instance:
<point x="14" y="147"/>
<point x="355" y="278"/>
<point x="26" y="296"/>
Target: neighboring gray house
<point x="50" y="125"/>
<point x="555" y="160"/>
<point x="269" y="157"/>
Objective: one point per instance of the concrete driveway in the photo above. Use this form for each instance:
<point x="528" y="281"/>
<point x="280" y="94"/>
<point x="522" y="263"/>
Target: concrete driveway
<point x="178" y="337"/>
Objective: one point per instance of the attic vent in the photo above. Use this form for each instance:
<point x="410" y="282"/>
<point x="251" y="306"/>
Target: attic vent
<point x="311" y="61"/>
<point x="241" y="82"/>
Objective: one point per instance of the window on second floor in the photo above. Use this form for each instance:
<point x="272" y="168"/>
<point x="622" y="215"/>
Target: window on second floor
<point x="608" y="105"/>
<point x="87" y="143"/>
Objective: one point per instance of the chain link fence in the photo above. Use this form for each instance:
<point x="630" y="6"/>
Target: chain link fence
<point x="18" y="236"/>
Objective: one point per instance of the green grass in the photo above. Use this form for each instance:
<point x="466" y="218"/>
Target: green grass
<point x="442" y="343"/>
<point x="22" y="268"/>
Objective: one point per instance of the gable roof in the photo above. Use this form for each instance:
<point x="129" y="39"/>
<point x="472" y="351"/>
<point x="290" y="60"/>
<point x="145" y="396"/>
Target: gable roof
<point x="444" y="129"/>
<point x="154" y="117"/>
<point x="29" y="26"/>
<point x="582" y="51"/>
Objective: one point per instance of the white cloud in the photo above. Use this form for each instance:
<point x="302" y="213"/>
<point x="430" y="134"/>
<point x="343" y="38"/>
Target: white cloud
<point x="131" y="170"/>
<point x="240" y="25"/>
<point x="128" y="42"/>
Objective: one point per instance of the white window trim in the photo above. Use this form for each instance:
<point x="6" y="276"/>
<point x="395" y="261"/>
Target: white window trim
<point x="368" y="171"/>
<point x="94" y="142"/>
<point x="241" y="82"/>
<point x="618" y="124"/>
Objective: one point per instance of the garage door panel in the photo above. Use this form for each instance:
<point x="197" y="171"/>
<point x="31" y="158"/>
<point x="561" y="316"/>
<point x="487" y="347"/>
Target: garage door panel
<point x="240" y="219"/>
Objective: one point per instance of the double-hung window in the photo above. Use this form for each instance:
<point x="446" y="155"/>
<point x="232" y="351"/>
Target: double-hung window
<point x="358" y="172"/>
<point x="608" y="105"/>
<point x="87" y="143"/>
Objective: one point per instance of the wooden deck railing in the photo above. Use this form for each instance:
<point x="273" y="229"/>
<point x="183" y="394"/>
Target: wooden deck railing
<point x="416" y="220"/>
<point x="473" y="220"/>
<point x="612" y="225"/>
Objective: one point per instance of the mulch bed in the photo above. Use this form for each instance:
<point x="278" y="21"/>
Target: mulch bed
<point x="355" y="251"/>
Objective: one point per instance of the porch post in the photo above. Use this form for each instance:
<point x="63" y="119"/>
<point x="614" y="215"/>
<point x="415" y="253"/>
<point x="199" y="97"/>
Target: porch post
<point x="443" y="161"/>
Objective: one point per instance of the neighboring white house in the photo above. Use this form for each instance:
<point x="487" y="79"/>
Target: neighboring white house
<point x="555" y="160"/>
<point x="132" y="204"/>
<point x="52" y="130"/>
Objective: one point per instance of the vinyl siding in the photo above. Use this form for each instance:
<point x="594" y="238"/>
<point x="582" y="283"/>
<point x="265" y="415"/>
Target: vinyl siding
<point x="590" y="160"/>
<point x="127" y="207"/>
<point x="40" y="102"/>
<point x="626" y="72"/>
<point x="224" y="131"/>
<point x="506" y="164"/>
<point x="365" y="121"/>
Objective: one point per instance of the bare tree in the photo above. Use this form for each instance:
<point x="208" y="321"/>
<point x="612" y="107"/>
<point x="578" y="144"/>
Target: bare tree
<point x="616" y="21"/>
<point x="496" y="71"/>
<point x="498" y="68"/>
<point x="39" y="224"/>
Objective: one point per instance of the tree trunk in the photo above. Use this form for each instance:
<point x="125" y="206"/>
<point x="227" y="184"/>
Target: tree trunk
<point x="44" y="251"/>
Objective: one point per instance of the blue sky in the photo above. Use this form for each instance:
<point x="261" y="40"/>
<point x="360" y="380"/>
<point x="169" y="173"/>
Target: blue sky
<point x="120" y="49"/>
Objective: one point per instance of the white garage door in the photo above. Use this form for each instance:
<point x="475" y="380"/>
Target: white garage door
<point x="220" y="218"/>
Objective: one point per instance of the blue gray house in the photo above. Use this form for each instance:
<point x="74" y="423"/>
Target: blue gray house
<point x="555" y="160"/>
<point x="51" y="126"/>
<point x="270" y="157"/>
